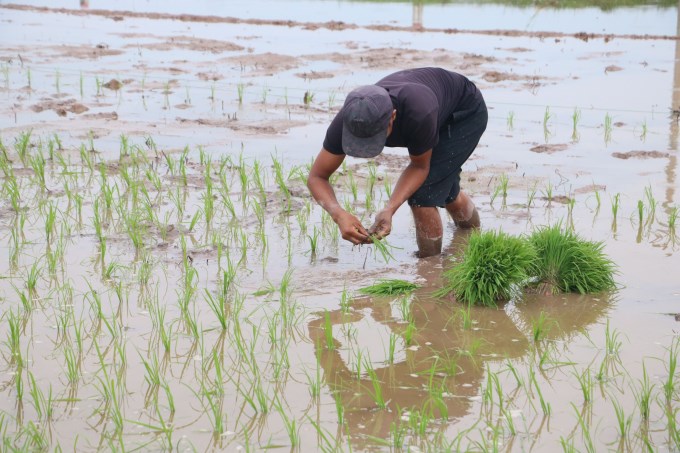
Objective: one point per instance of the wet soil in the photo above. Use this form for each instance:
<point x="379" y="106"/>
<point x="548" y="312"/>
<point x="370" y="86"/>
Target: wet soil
<point x="229" y="112"/>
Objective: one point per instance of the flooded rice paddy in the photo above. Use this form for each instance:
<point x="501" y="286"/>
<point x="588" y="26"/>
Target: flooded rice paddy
<point x="167" y="283"/>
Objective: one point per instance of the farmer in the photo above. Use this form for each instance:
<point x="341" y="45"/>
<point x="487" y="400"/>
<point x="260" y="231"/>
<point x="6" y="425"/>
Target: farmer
<point x="439" y="116"/>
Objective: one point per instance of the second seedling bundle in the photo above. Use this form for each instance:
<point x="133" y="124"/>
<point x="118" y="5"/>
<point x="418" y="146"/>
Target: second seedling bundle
<point x="496" y="266"/>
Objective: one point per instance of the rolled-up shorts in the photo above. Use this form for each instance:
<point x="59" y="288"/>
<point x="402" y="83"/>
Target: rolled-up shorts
<point x="458" y="138"/>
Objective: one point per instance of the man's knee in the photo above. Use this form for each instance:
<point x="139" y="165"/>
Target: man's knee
<point x="427" y="220"/>
<point x="463" y="211"/>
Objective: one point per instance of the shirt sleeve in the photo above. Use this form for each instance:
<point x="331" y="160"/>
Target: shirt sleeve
<point x="333" y="140"/>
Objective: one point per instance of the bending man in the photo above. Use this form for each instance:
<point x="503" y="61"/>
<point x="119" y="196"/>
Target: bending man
<point x="439" y="116"/>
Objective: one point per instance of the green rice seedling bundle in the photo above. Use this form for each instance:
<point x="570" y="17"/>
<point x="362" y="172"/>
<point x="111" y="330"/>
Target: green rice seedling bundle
<point x="493" y="267"/>
<point x="571" y="264"/>
<point x="389" y="287"/>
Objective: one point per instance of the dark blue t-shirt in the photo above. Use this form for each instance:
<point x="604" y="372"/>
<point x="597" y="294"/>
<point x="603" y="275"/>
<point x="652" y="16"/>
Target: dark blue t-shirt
<point x="425" y="100"/>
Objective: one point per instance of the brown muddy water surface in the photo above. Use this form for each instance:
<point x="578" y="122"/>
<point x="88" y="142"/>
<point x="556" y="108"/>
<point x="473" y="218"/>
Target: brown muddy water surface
<point x="167" y="283"/>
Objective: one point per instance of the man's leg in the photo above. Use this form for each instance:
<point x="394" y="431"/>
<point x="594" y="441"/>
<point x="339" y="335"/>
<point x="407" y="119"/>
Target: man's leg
<point x="429" y="230"/>
<point x="463" y="212"/>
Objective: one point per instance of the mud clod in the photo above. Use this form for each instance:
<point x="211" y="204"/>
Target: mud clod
<point x="640" y="155"/>
<point x="113" y="84"/>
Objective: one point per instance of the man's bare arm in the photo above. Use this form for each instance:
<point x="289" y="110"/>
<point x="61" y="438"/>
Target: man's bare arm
<point x="325" y="164"/>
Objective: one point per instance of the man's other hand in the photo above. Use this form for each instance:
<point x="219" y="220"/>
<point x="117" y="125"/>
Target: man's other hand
<point x="382" y="225"/>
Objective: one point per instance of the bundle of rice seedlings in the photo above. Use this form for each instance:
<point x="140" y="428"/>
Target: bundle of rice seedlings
<point x="495" y="265"/>
<point x="388" y="287"/>
<point x="569" y="263"/>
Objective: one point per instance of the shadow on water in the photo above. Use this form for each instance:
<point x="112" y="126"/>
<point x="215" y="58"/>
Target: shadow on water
<point x="441" y="370"/>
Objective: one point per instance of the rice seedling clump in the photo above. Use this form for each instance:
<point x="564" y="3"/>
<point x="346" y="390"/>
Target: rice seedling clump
<point x="571" y="264"/>
<point x="494" y="265"/>
<point x="389" y="287"/>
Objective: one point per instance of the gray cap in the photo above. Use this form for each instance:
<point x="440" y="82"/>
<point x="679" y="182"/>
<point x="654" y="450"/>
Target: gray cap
<point x="365" y="117"/>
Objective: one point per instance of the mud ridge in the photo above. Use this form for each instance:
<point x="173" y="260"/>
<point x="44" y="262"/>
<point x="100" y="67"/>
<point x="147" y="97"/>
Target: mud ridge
<point x="331" y="25"/>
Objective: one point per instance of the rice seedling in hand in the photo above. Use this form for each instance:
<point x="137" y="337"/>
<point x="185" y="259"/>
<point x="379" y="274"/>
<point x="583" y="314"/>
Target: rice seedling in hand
<point x="494" y="266"/>
<point x="570" y="264"/>
<point x="383" y="248"/>
<point x="389" y="287"/>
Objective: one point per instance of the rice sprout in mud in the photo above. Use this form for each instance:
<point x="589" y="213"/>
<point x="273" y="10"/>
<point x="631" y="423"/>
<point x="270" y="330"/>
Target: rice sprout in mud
<point x="672" y="219"/>
<point x="575" y="119"/>
<point x="547" y="116"/>
<point x="510" y="121"/>
<point x="607" y="128"/>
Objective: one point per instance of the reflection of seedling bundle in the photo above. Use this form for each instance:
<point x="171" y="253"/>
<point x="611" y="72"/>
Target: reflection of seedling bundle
<point x="496" y="266"/>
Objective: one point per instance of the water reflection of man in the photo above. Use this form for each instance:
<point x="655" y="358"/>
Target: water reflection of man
<point x="458" y="357"/>
<point x="439" y="116"/>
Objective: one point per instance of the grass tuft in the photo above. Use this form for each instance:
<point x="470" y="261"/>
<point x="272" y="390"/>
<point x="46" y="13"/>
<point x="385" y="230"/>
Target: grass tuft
<point x="493" y="267"/>
<point x="571" y="264"/>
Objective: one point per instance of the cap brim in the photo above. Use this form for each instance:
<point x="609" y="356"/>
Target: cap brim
<point x="363" y="146"/>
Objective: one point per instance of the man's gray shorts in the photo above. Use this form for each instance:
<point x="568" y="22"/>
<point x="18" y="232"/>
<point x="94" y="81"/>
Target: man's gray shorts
<point x="458" y="138"/>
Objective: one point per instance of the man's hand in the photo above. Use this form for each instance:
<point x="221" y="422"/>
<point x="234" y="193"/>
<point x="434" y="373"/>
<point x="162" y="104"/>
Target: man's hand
<point x="382" y="225"/>
<point x="351" y="229"/>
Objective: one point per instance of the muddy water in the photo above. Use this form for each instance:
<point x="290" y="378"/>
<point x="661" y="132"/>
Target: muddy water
<point x="298" y="347"/>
